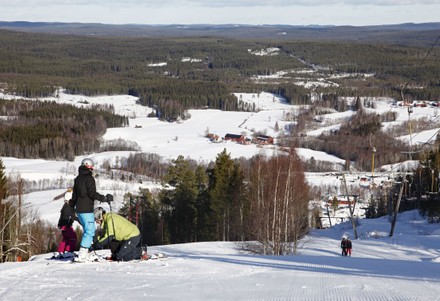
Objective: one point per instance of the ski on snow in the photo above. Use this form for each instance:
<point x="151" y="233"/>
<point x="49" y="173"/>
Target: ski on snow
<point x="98" y="258"/>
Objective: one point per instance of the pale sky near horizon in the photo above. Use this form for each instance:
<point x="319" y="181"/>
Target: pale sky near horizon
<point x="289" y="12"/>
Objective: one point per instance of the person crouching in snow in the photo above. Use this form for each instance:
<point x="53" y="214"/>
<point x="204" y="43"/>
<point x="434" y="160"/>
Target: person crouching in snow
<point x="67" y="216"/>
<point x="119" y="234"/>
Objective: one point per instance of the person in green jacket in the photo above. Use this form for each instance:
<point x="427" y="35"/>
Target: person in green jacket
<point x="119" y="234"/>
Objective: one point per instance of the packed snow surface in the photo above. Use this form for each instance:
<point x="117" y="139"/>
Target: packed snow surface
<point x="403" y="267"/>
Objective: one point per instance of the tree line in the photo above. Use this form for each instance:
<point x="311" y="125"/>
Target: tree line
<point x="264" y="200"/>
<point x="34" y="129"/>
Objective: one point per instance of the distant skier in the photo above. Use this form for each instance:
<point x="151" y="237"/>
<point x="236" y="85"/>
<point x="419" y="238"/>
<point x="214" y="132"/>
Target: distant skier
<point x="83" y="200"/>
<point x="349" y="246"/>
<point x="119" y="234"/>
<point x="344" y="246"/>
<point x="67" y="216"/>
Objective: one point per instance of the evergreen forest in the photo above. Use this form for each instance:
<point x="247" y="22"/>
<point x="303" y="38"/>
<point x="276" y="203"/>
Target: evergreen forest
<point x="174" y="74"/>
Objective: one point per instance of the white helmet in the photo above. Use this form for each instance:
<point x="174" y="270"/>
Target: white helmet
<point x="87" y="162"/>
<point x="98" y="213"/>
<point x="68" y="195"/>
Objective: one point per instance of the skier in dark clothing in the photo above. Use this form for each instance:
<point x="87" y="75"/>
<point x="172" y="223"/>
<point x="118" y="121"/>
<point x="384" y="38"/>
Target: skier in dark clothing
<point x="344" y="246"/>
<point x="84" y="195"/>
<point x="67" y="216"/>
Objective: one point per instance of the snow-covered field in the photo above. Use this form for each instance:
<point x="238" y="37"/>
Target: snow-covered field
<point x="402" y="267"/>
<point x="188" y="138"/>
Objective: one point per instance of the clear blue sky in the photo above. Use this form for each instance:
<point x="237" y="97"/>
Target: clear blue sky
<point x="292" y="12"/>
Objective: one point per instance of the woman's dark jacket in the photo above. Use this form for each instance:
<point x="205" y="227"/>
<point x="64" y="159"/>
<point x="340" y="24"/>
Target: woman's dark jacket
<point x="84" y="191"/>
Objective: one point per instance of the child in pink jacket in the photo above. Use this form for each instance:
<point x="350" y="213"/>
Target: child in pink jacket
<point x="67" y="216"/>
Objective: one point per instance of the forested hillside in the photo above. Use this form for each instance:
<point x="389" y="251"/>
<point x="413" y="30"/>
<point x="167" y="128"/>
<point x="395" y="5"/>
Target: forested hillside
<point x="176" y="74"/>
<point x="31" y="129"/>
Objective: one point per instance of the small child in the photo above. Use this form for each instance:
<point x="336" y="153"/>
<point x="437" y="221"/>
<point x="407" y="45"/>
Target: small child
<point x="349" y="246"/>
<point x="67" y="217"/>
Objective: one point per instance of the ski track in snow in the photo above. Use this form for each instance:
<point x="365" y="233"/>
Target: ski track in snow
<point x="200" y="274"/>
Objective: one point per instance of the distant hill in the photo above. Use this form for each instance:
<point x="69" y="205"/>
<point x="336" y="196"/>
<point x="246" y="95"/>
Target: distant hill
<point x="423" y="34"/>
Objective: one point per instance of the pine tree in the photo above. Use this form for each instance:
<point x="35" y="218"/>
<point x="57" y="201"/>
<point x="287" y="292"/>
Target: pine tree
<point x="181" y="201"/>
<point x="143" y="211"/>
<point x="226" y="196"/>
<point x="204" y="222"/>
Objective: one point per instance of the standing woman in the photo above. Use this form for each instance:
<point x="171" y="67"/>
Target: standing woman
<point x="83" y="199"/>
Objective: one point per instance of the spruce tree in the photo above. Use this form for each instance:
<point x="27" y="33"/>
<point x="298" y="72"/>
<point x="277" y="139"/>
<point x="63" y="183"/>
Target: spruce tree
<point x="181" y="201"/>
<point x="225" y="192"/>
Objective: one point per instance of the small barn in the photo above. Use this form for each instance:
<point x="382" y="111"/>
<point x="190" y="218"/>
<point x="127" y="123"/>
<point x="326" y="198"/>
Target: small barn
<point x="342" y="200"/>
<point x="213" y="138"/>
<point x="263" y="139"/>
<point x="235" y="137"/>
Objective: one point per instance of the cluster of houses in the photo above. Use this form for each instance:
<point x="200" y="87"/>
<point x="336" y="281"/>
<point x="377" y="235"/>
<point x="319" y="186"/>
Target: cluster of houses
<point x="241" y="139"/>
<point x="335" y="209"/>
<point x="341" y="201"/>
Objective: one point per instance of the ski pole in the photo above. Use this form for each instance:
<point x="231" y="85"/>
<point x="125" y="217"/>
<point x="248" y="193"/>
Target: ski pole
<point x="111" y="216"/>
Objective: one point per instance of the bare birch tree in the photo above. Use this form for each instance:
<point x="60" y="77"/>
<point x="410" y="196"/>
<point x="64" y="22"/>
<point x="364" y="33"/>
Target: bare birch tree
<point x="279" y="199"/>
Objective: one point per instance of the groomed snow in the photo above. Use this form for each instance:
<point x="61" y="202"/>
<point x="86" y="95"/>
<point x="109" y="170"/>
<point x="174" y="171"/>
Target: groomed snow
<point x="402" y="267"/>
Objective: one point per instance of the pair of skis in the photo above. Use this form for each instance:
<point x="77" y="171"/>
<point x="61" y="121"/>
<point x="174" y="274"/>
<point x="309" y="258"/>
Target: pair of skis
<point x="98" y="258"/>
